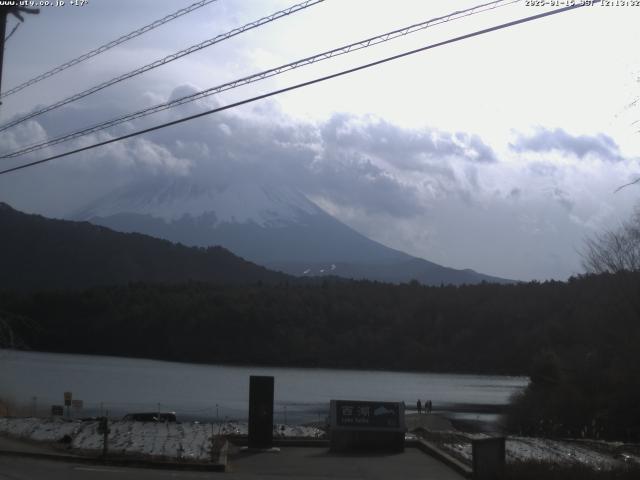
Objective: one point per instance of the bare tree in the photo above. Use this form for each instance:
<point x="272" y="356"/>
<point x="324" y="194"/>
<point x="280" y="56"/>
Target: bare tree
<point x="7" y="336"/>
<point x="614" y="250"/>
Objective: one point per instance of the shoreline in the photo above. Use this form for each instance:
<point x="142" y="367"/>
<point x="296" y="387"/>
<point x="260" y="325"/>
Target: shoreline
<point x="274" y="365"/>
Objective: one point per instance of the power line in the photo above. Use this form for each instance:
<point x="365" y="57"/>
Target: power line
<point x="165" y="60"/>
<point x="264" y="74"/>
<point x="13" y="30"/>
<point x="107" y="46"/>
<point x="303" y="84"/>
<point x="637" y="180"/>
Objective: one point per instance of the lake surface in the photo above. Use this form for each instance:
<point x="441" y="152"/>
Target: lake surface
<point x="36" y="380"/>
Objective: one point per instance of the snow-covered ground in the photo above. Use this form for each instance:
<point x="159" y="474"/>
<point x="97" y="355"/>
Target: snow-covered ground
<point x="192" y="441"/>
<point x="169" y="441"/>
<point x="594" y="454"/>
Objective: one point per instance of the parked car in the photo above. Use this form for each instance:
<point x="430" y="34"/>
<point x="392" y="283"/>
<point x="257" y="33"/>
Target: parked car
<point x="151" y="417"/>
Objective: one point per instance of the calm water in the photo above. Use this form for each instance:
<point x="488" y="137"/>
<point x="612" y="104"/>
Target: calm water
<point x="38" y="380"/>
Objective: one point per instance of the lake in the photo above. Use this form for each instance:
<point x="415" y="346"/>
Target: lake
<point x="35" y="381"/>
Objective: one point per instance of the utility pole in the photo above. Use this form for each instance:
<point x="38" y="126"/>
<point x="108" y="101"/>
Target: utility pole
<point x="17" y="12"/>
<point x="103" y="428"/>
<point x="4" y="11"/>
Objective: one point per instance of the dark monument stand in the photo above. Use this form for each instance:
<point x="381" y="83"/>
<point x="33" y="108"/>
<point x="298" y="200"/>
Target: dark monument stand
<point x="261" y="412"/>
<point x="488" y="458"/>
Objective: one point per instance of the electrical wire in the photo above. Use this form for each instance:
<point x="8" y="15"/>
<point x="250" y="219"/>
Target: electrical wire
<point x="303" y="84"/>
<point x="13" y="30"/>
<point x="107" y="46"/>
<point x="263" y="75"/>
<point x="165" y="60"/>
<point x="636" y="181"/>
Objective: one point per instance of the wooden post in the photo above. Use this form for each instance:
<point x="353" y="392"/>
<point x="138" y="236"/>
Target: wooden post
<point x="4" y="11"/>
<point x="103" y="427"/>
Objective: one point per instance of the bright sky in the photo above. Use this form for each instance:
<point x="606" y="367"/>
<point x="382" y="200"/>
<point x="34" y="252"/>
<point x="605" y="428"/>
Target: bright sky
<point x="499" y="153"/>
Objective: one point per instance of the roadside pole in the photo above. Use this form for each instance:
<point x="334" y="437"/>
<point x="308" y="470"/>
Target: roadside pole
<point x="103" y="427"/>
<point x="4" y="11"/>
<point x="68" y="396"/>
<point x="17" y="12"/>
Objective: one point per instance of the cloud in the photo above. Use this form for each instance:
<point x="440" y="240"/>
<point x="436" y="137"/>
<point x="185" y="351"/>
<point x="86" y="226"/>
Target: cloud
<point x="549" y="140"/>
<point x="444" y="196"/>
<point x="543" y="169"/>
<point x="355" y="181"/>
<point x="408" y="149"/>
<point x="563" y="198"/>
<point x="227" y="147"/>
<point x="351" y="161"/>
<point x="514" y="193"/>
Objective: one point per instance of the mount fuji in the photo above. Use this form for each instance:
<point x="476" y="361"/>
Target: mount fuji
<point x="274" y="226"/>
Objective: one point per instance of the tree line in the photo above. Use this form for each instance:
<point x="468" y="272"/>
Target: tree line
<point x="576" y="339"/>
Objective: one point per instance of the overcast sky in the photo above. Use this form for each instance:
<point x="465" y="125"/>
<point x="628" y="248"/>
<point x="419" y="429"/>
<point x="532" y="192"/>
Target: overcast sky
<point x="499" y="153"/>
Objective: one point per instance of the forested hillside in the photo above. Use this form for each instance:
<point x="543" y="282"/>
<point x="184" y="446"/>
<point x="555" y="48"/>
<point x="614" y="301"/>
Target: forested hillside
<point x="41" y="253"/>
<point x="578" y="340"/>
<point x="482" y="328"/>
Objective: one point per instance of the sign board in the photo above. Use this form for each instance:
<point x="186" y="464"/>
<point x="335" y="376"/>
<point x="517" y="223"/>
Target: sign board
<point x="76" y="404"/>
<point x="354" y="414"/>
<point x="57" y="410"/>
<point x="67" y="399"/>
<point x="367" y="414"/>
<point x="358" y="425"/>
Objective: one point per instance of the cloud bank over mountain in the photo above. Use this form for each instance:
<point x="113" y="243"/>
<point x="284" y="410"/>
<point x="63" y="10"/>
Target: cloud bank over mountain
<point x="518" y="210"/>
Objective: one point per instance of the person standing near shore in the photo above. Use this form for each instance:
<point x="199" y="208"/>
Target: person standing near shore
<point x="419" y="405"/>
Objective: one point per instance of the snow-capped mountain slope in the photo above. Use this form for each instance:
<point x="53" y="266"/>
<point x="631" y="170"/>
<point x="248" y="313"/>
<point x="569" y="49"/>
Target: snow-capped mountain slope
<point x="235" y="203"/>
<point x="261" y="223"/>
<point x="400" y="271"/>
<point x="270" y="225"/>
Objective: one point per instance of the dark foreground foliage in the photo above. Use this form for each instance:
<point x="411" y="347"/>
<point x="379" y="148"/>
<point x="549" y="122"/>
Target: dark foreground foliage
<point x="588" y="385"/>
<point x="578" y="340"/>
<point x="533" y="470"/>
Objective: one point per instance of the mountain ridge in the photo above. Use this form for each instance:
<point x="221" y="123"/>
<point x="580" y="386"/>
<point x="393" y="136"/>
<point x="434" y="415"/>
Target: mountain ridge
<point x="42" y="253"/>
<point x="274" y="226"/>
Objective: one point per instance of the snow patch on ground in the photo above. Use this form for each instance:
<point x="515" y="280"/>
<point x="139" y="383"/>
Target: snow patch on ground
<point x="556" y="451"/>
<point x="192" y="441"/>
<point x="36" y="429"/>
<point x="175" y="441"/>
<point x="564" y="452"/>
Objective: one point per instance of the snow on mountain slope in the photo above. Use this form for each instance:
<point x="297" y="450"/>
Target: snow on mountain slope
<point x="274" y="226"/>
<point x="233" y="203"/>
<point x="261" y="223"/>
